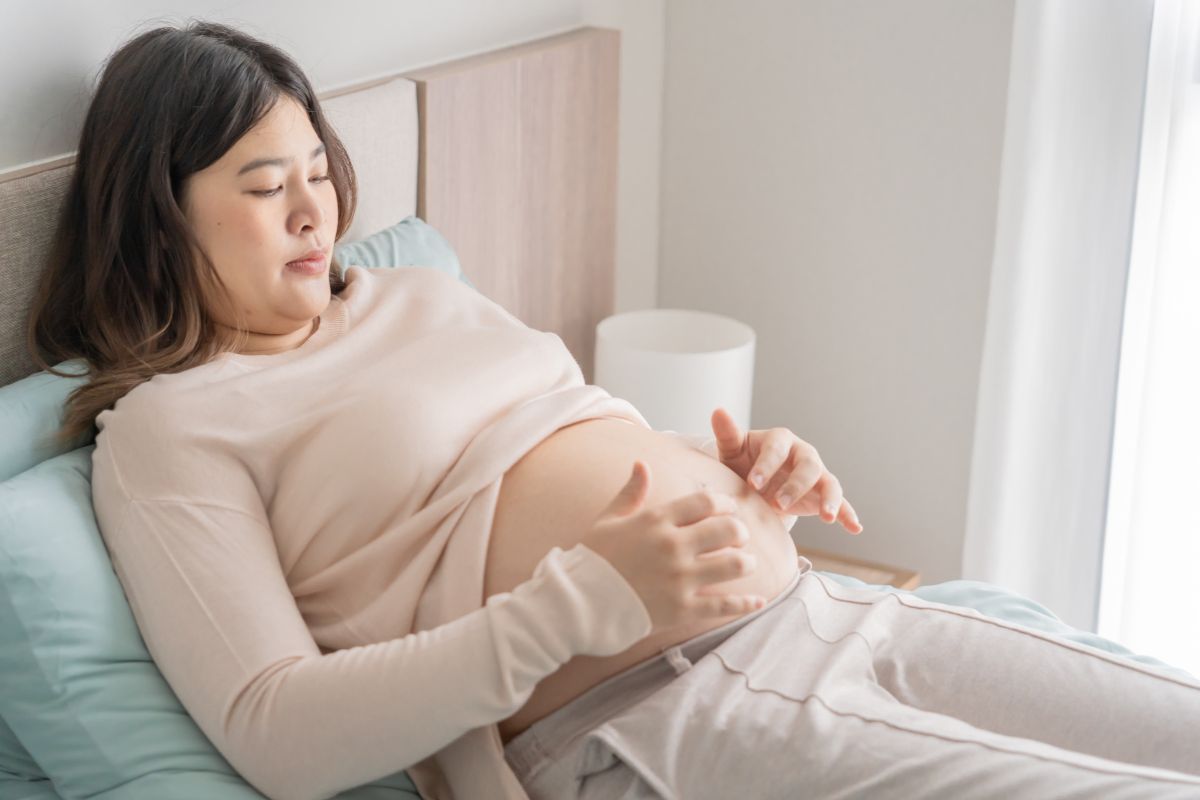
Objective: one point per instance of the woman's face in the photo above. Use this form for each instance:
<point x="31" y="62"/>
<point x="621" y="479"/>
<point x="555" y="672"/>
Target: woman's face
<point x="266" y="202"/>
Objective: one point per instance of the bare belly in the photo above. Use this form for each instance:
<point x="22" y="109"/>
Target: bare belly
<point x="552" y="495"/>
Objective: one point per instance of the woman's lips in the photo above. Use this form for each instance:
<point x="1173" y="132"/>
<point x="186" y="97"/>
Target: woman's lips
<point x="309" y="266"/>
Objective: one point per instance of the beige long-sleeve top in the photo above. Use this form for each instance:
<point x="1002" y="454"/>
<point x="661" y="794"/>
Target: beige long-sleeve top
<point x="302" y="537"/>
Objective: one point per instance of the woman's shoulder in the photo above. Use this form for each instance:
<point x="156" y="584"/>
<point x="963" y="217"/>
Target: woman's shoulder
<point x="168" y="404"/>
<point x="163" y="442"/>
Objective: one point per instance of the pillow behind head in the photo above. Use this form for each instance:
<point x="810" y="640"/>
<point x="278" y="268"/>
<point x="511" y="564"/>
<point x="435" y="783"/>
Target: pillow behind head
<point x="411" y="242"/>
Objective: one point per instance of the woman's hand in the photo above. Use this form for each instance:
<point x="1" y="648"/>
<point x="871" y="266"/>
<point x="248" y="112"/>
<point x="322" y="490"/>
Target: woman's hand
<point x="670" y="553"/>
<point x="785" y="470"/>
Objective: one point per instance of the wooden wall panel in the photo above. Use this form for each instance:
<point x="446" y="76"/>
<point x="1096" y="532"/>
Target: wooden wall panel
<point x="518" y="169"/>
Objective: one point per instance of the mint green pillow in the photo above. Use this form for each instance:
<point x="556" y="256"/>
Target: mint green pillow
<point x="17" y="766"/>
<point x="30" y="413"/>
<point x="13" y="787"/>
<point x="411" y="242"/>
<point x="80" y="690"/>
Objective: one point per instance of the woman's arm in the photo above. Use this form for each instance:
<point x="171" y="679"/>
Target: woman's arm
<point x="219" y="620"/>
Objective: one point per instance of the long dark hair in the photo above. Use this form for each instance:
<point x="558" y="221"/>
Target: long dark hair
<point x="121" y="288"/>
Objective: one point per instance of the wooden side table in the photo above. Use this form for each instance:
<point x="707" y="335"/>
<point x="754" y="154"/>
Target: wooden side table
<point x="866" y="571"/>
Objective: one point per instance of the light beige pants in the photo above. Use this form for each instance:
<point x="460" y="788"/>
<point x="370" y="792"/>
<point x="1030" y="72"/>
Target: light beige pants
<point x="832" y="691"/>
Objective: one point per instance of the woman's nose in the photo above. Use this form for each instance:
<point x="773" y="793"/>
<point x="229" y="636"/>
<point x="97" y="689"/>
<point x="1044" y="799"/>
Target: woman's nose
<point x="308" y="212"/>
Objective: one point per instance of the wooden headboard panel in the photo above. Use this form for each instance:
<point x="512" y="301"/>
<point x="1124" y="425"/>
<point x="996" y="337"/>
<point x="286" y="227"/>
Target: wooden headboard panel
<point x="518" y="169"/>
<point x="514" y="162"/>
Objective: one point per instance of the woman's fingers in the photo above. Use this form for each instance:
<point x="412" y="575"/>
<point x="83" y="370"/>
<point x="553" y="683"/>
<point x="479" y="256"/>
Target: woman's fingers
<point x="849" y="518"/>
<point x="807" y="477"/>
<point x="810" y="486"/>
<point x="834" y="506"/>
<point x="774" y="452"/>
<point x="715" y="533"/>
<point x="716" y="568"/>
<point x="724" y="605"/>
<point x="715" y="542"/>
<point x="724" y="566"/>
<point x="694" y="507"/>
<point x="831" y="496"/>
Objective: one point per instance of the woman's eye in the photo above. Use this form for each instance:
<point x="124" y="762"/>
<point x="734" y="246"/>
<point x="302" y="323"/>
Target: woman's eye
<point x="278" y="189"/>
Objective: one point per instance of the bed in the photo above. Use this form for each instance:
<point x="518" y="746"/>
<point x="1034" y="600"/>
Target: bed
<point x="499" y="168"/>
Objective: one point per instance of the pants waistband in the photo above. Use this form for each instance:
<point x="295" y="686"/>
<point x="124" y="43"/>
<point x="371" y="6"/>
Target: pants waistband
<point x="549" y="736"/>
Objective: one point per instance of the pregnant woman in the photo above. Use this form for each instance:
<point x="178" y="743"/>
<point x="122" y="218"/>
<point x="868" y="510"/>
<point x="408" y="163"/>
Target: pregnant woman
<point x="371" y="522"/>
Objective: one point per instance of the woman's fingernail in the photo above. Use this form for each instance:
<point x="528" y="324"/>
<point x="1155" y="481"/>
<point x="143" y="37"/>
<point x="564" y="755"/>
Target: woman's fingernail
<point x="830" y="510"/>
<point x="785" y="500"/>
<point x="757" y="480"/>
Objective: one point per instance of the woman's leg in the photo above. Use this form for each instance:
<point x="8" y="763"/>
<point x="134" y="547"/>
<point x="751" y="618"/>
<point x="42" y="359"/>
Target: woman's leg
<point x="1015" y="681"/>
<point x="842" y="692"/>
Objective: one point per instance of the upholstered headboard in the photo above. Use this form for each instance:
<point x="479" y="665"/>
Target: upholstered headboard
<point x="511" y="155"/>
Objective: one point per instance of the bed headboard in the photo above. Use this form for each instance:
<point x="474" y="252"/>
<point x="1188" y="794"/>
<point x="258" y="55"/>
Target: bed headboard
<point x="511" y="154"/>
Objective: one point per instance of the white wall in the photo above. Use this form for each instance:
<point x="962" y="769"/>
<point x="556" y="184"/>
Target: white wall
<point x="51" y="53"/>
<point x="830" y="176"/>
<point x="641" y="23"/>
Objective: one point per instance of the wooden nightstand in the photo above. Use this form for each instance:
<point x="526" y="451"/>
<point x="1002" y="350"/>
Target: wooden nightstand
<point x="867" y="571"/>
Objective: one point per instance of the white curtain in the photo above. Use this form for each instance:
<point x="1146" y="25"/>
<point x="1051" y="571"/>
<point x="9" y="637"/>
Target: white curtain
<point x="1044" y="419"/>
<point x="1152" y="548"/>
